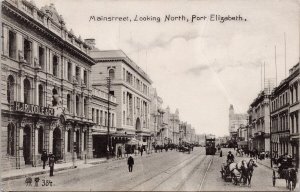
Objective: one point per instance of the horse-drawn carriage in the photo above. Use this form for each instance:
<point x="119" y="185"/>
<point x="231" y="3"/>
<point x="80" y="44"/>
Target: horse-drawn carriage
<point x="287" y="171"/>
<point x="184" y="148"/>
<point x="240" y="172"/>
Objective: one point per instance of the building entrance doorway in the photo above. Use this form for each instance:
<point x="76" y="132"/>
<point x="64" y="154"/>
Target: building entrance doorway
<point x="57" y="140"/>
<point x="26" y="144"/>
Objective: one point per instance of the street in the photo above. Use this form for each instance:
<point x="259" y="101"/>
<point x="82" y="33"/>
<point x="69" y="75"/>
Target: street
<point x="166" y="171"/>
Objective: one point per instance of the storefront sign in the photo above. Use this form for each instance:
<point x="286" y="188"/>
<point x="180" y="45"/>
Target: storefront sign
<point x="35" y="109"/>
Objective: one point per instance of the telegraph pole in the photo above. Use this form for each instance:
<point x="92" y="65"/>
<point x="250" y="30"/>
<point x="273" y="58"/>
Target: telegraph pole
<point x="108" y="118"/>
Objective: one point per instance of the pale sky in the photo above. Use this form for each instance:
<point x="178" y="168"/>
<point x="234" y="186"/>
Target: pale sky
<point x="203" y="67"/>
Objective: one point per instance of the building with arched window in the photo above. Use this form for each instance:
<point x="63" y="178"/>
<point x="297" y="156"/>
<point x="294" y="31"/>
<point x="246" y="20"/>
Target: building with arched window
<point x="131" y="87"/>
<point x="46" y="73"/>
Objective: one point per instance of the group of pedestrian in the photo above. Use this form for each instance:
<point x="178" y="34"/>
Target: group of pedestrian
<point x="45" y="157"/>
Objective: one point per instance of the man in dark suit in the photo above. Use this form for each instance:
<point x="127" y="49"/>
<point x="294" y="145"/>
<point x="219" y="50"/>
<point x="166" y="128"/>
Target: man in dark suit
<point x="44" y="158"/>
<point x="130" y="163"/>
<point x="51" y="164"/>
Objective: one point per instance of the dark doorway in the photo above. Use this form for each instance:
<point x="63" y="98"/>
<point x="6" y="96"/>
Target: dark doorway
<point x="57" y="143"/>
<point x="26" y="144"/>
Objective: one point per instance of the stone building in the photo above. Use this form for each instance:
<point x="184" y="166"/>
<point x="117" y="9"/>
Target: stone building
<point x="294" y="111"/>
<point x="156" y="116"/>
<point x="131" y="87"/>
<point x="99" y="105"/>
<point x="260" y="122"/>
<point x="174" y="126"/>
<point x="285" y="116"/>
<point x="45" y="85"/>
<point x="235" y="121"/>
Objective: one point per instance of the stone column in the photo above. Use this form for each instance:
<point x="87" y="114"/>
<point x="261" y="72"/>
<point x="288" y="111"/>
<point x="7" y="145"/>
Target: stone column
<point x="51" y="140"/>
<point x="19" y="46"/>
<point x="37" y="92"/>
<point x="66" y="144"/>
<point x="21" y="95"/>
<point x="21" y="157"/>
<point x="5" y="40"/>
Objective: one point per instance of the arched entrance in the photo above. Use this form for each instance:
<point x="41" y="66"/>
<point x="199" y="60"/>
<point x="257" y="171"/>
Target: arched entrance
<point x="138" y="124"/>
<point x="26" y="144"/>
<point x="57" y="140"/>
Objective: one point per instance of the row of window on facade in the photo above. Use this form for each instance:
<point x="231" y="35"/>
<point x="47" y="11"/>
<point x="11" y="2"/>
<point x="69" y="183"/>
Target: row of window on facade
<point x="135" y="82"/>
<point x="100" y="117"/>
<point x="42" y="95"/>
<point x="55" y="66"/>
<point x="12" y="138"/>
<point x="283" y="99"/>
<point x="281" y="123"/>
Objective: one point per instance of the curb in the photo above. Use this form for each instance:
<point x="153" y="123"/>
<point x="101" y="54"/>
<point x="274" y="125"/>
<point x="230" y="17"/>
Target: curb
<point x="35" y="173"/>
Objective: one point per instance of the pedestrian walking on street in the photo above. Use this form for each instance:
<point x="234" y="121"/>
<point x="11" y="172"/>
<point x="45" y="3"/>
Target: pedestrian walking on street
<point x="44" y="158"/>
<point x="51" y="164"/>
<point x="141" y="151"/>
<point x="221" y="153"/>
<point x="130" y="163"/>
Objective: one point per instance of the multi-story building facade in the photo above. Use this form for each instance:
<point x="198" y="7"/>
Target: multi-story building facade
<point x="261" y="122"/>
<point x="46" y="87"/>
<point x="156" y="117"/>
<point x="294" y="111"/>
<point x="131" y="87"/>
<point x="174" y="126"/>
<point x="99" y="105"/>
<point x="285" y="116"/>
<point x="280" y="130"/>
<point x="235" y="121"/>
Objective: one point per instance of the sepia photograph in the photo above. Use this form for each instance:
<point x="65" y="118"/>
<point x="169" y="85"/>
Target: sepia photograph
<point x="150" y="95"/>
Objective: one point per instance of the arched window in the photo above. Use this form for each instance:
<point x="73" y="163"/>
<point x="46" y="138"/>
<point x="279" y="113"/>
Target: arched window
<point x="41" y="95"/>
<point x="10" y="88"/>
<point x="77" y="105"/>
<point x="111" y="73"/>
<point x="11" y="140"/>
<point x="69" y="102"/>
<point x="40" y="140"/>
<point x="55" y="97"/>
<point x="27" y="91"/>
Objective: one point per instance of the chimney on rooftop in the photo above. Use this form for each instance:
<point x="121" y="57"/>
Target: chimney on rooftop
<point x="90" y="42"/>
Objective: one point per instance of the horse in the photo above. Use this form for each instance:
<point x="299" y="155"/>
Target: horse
<point x="290" y="176"/>
<point x="238" y="171"/>
<point x="251" y="164"/>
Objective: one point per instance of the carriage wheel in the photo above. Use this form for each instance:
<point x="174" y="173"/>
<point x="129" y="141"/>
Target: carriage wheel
<point x="274" y="179"/>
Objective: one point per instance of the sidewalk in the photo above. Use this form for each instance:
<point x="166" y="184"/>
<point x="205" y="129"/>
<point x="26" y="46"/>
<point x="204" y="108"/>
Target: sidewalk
<point x="79" y="164"/>
<point x="30" y="171"/>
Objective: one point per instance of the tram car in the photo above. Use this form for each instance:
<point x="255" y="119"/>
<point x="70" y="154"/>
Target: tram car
<point x="210" y="145"/>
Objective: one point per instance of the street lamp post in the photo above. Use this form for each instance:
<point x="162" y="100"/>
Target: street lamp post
<point x="108" y="117"/>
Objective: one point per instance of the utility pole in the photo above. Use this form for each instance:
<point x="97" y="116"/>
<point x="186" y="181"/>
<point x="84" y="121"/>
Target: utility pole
<point x="108" y="117"/>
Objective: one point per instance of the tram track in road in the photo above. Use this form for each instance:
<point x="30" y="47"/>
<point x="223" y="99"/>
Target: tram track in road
<point x="164" y="173"/>
<point x="205" y="174"/>
<point x="164" y="181"/>
<point x="193" y="176"/>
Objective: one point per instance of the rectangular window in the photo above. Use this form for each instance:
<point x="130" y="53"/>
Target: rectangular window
<point x="85" y="77"/>
<point x="101" y="117"/>
<point x="55" y="66"/>
<point x="93" y="114"/>
<point x="97" y="117"/>
<point x="124" y="74"/>
<point x="41" y="58"/>
<point x="105" y="119"/>
<point x="69" y="71"/>
<point x="12" y="45"/>
<point x="27" y="51"/>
